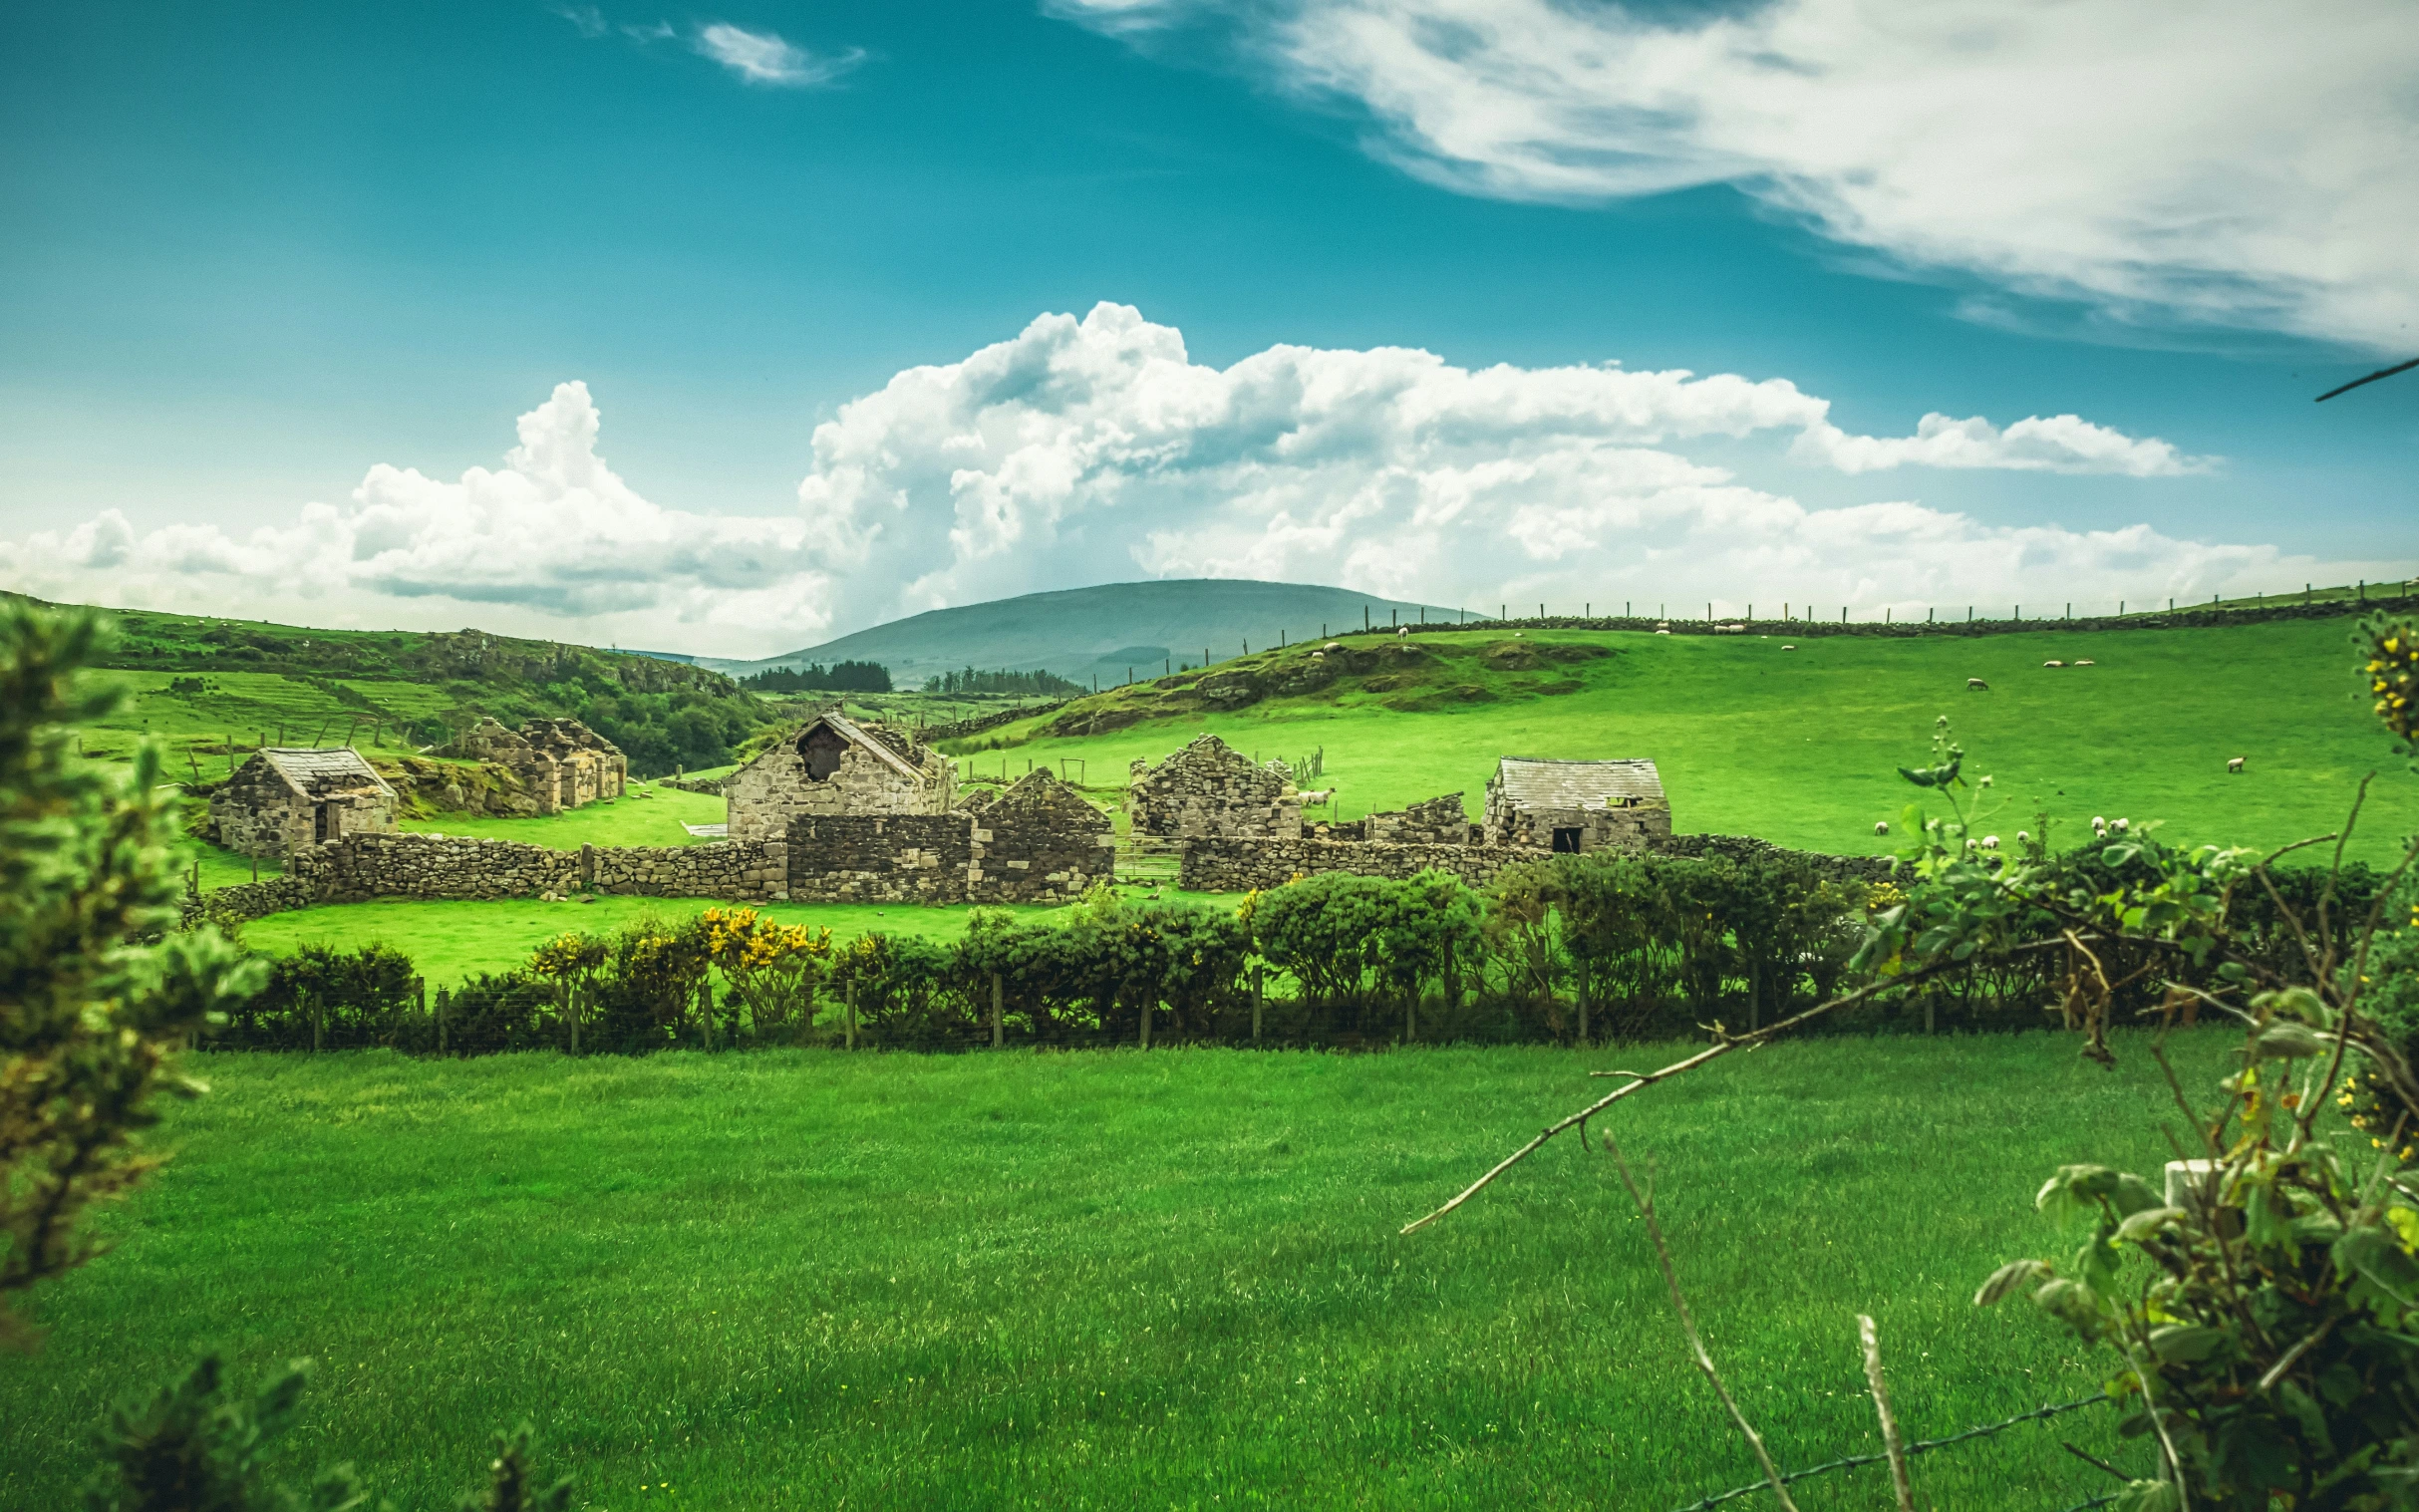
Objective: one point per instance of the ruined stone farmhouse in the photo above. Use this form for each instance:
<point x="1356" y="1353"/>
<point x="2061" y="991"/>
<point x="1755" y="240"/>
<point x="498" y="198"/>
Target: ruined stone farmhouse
<point x="559" y="764"/>
<point x="284" y="801"/>
<point x="1210" y="791"/>
<point x="1576" y="806"/>
<point x="834" y="766"/>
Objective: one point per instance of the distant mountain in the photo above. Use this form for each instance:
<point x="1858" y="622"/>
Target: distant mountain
<point x="1083" y="633"/>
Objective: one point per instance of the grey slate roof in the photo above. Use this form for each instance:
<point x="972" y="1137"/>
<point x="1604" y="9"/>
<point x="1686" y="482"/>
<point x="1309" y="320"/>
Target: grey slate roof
<point x="318" y="773"/>
<point x="1533" y="782"/>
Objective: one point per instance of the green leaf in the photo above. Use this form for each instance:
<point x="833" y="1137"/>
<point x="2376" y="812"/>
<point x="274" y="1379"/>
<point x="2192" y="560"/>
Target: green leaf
<point x="2288" y="1040"/>
<point x="2141" y="1225"/>
<point x="2184" y="1343"/>
<point x="2009" y="1278"/>
<point x="2373" y="1255"/>
<point x="2119" y="855"/>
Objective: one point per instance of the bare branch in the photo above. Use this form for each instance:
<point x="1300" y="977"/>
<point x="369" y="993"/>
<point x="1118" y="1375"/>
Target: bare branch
<point x="1880" y="1403"/>
<point x="1715" y="1051"/>
<point x="2400" y="367"/>
<point x="1680" y="1304"/>
<point x="2095" y="1461"/>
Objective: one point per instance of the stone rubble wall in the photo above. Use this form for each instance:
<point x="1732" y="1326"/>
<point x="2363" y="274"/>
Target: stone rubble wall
<point x="362" y="867"/>
<point x="1226" y="865"/>
<point x="1438" y="822"/>
<point x="1041" y="842"/>
<point x="1211" y="790"/>
<point x="880" y="857"/>
<point x="744" y="871"/>
<point x="1632" y="830"/>
<point x="1748" y="849"/>
<point x="772" y="791"/>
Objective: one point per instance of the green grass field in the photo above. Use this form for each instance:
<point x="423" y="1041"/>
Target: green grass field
<point x="1799" y="746"/>
<point x="1105" y="1280"/>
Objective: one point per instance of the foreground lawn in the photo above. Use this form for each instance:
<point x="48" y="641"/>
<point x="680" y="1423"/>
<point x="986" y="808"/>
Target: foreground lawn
<point x="1104" y="1280"/>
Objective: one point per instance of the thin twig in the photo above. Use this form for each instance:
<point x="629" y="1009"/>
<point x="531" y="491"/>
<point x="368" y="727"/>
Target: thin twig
<point x="2285" y="1362"/>
<point x="2400" y="367"/>
<point x="1720" y="1048"/>
<point x="2095" y="1461"/>
<point x="1880" y="1403"/>
<point x="1925" y="1446"/>
<point x="1680" y="1304"/>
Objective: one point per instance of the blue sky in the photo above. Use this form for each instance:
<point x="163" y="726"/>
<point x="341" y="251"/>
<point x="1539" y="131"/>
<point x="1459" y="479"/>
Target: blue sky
<point x="277" y="277"/>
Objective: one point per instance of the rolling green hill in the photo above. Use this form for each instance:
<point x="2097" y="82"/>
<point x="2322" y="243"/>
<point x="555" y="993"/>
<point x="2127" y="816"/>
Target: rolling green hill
<point x="1084" y="633"/>
<point x="1800" y="745"/>
<point x="205" y="688"/>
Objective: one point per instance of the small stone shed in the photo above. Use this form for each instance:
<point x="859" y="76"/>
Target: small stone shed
<point x="1576" y="805"/>
<point x="559" y="764"/>
<point x="283" y="800"/>
<point x="1210" y="791"/>
<point x="833" y="765"/>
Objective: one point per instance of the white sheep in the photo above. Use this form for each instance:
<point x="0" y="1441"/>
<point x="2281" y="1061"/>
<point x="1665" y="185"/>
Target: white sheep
<point x="2233" y="763"/>
<point x="1662" y="632"/>
<point x="2087" y="662"/>
<point x="1402" y="630"/>
<point x="2123" y="825"/>
<point x="1985" y="781"/>
<point x="1333" y="646"/>
<point x="1977" y="684"/>
<point x="2098" y="823"/>
<point x="1788" y="648"/>
<point x="2023" y="837"/>
<point x="1990" y="842"/>
<point x="1882" y="827"/>
<point x="2053" y="664"/>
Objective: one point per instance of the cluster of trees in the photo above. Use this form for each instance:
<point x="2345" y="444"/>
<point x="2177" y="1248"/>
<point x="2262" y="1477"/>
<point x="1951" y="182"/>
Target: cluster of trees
<point x="661" y="733"/>
<point x="1035" y="683"/>
<point x="839" y="676"/>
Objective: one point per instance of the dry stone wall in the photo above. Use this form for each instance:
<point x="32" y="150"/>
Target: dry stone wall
<point x="362" y="867"/>
<point x="880" y="857"/>
<point x="744" y="871"/>
<point x="1219" y="865"/>
<point x="1749" y="848"/>
<point x="1210" y="789"/>
<point x="1041" y="842"/>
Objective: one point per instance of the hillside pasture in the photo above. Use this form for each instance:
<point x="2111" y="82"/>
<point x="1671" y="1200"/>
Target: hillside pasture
<point x="1105" y="1280"/>
<point x="1800" y="746"/>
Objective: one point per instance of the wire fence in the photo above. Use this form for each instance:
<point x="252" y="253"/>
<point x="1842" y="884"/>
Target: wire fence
<point x="1854" y="1462"/>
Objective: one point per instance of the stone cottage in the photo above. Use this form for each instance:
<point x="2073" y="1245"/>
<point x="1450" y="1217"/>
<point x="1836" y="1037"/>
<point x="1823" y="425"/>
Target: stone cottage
<point x="283" y="800"/>
<point x="1576" y="805"/>
<point x="1210" y="791"/>
<point x="834" y="765"/>
<point x="1039" y="841"/>
<point x="559" y="764"/>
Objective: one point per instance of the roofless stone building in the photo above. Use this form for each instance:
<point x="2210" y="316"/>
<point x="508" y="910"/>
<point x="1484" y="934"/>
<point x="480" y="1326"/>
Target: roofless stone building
<point x="284" y="799"/>
<point x="1576" y="805"/>
<point x="831" y="767"/>
<point x="1210" y="791"/>
<point x="559" y="764"/>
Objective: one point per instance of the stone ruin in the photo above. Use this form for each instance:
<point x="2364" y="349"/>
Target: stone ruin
<point x="1438" y="822"/>
<point x="1210" y="791"/>
<point x="284" y="801"/>
<point x="1576" y="806"/>
<point x="559" y="764"/>
<point x="833" y="767"/>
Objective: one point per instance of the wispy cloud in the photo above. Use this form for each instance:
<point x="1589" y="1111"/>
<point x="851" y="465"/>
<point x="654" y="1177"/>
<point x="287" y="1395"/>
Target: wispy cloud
<point x="2226" y="164"/>
<point x="589" y="21"/>
<point x="768" y="58"/>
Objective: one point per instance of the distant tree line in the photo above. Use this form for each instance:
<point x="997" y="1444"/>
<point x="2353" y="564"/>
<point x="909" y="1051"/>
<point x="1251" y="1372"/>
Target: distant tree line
<point x="839" y="676"/>
<point x="1045" y="684"/>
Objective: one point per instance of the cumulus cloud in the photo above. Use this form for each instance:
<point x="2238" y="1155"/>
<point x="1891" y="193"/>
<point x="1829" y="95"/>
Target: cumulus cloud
<point x="767" y="58"/>
<point x="2228" y="161"/>
<point x="1095" y="449"/>
<point x="553" y="542"/>
<point x="1084" y="450"/>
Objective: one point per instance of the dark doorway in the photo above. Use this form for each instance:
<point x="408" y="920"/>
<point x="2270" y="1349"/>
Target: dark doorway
<point x="1566" y="843"/>
<point x="319" y="822"/>
<point x="822" y="750"/>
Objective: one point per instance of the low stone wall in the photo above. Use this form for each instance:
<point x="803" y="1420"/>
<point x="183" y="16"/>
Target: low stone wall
<point x="744" y="871"/>
<point x="1218" y="865"/>
<point x="361" y="868"/>
<point x="879" y="857"/>
<point x="249" y="900"/>
<point x="710" y="787"/>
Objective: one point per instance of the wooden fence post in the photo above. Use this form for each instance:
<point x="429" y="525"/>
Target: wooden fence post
<point x="1584" y="985"/>
<point x="420" y="997"/>
<point x="851" y="1000"/>
<point x="318" y="1022"/>
<point x="571" y="1016"/>
<point x="1259" y="995"/>
<point x="1146" y="1020"/>
<point x="440" y="1021"/>
<point x="1927" y="1012"/>
<point x="998" y="1029"/>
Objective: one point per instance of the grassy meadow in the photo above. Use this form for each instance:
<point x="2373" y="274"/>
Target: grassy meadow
<point x="1800" y="746"/>
<point x="1105" y="1280"/>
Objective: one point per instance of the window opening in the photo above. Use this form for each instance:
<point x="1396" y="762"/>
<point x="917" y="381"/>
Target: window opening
<point x="822" y="750"/>
<point x="1566" y="841"/>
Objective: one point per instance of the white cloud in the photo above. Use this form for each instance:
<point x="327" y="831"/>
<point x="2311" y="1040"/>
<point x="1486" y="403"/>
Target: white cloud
<point x="2229" y="161"/>
<point x="1083" y="449"/>
<point x="765" y="57"/>
<point x="553" y="543"/>
<point x="1095" y="449"/>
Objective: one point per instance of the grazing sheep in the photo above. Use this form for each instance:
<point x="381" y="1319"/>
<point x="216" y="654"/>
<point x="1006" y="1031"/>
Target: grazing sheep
<point x="1662" y="632"/>
<point x="1788" y="648"/>
<point x="1977" y="685"/>
<point x="1990" y="842"/>
<point x="1882" y="827"/>
<point x="1317" y="796"/>
<point x="2098" y="823"/>
<point x="2087" y="662"/>
<point x="1984" y="782"/>
<point x="1402" y="630"/>
<point x="2053" y="664"/>
<point x="1333" y="646"/>
<point x="2023" y="837"/>
<point x="2123" y="825"/>
<point x="2233" y="763"/>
